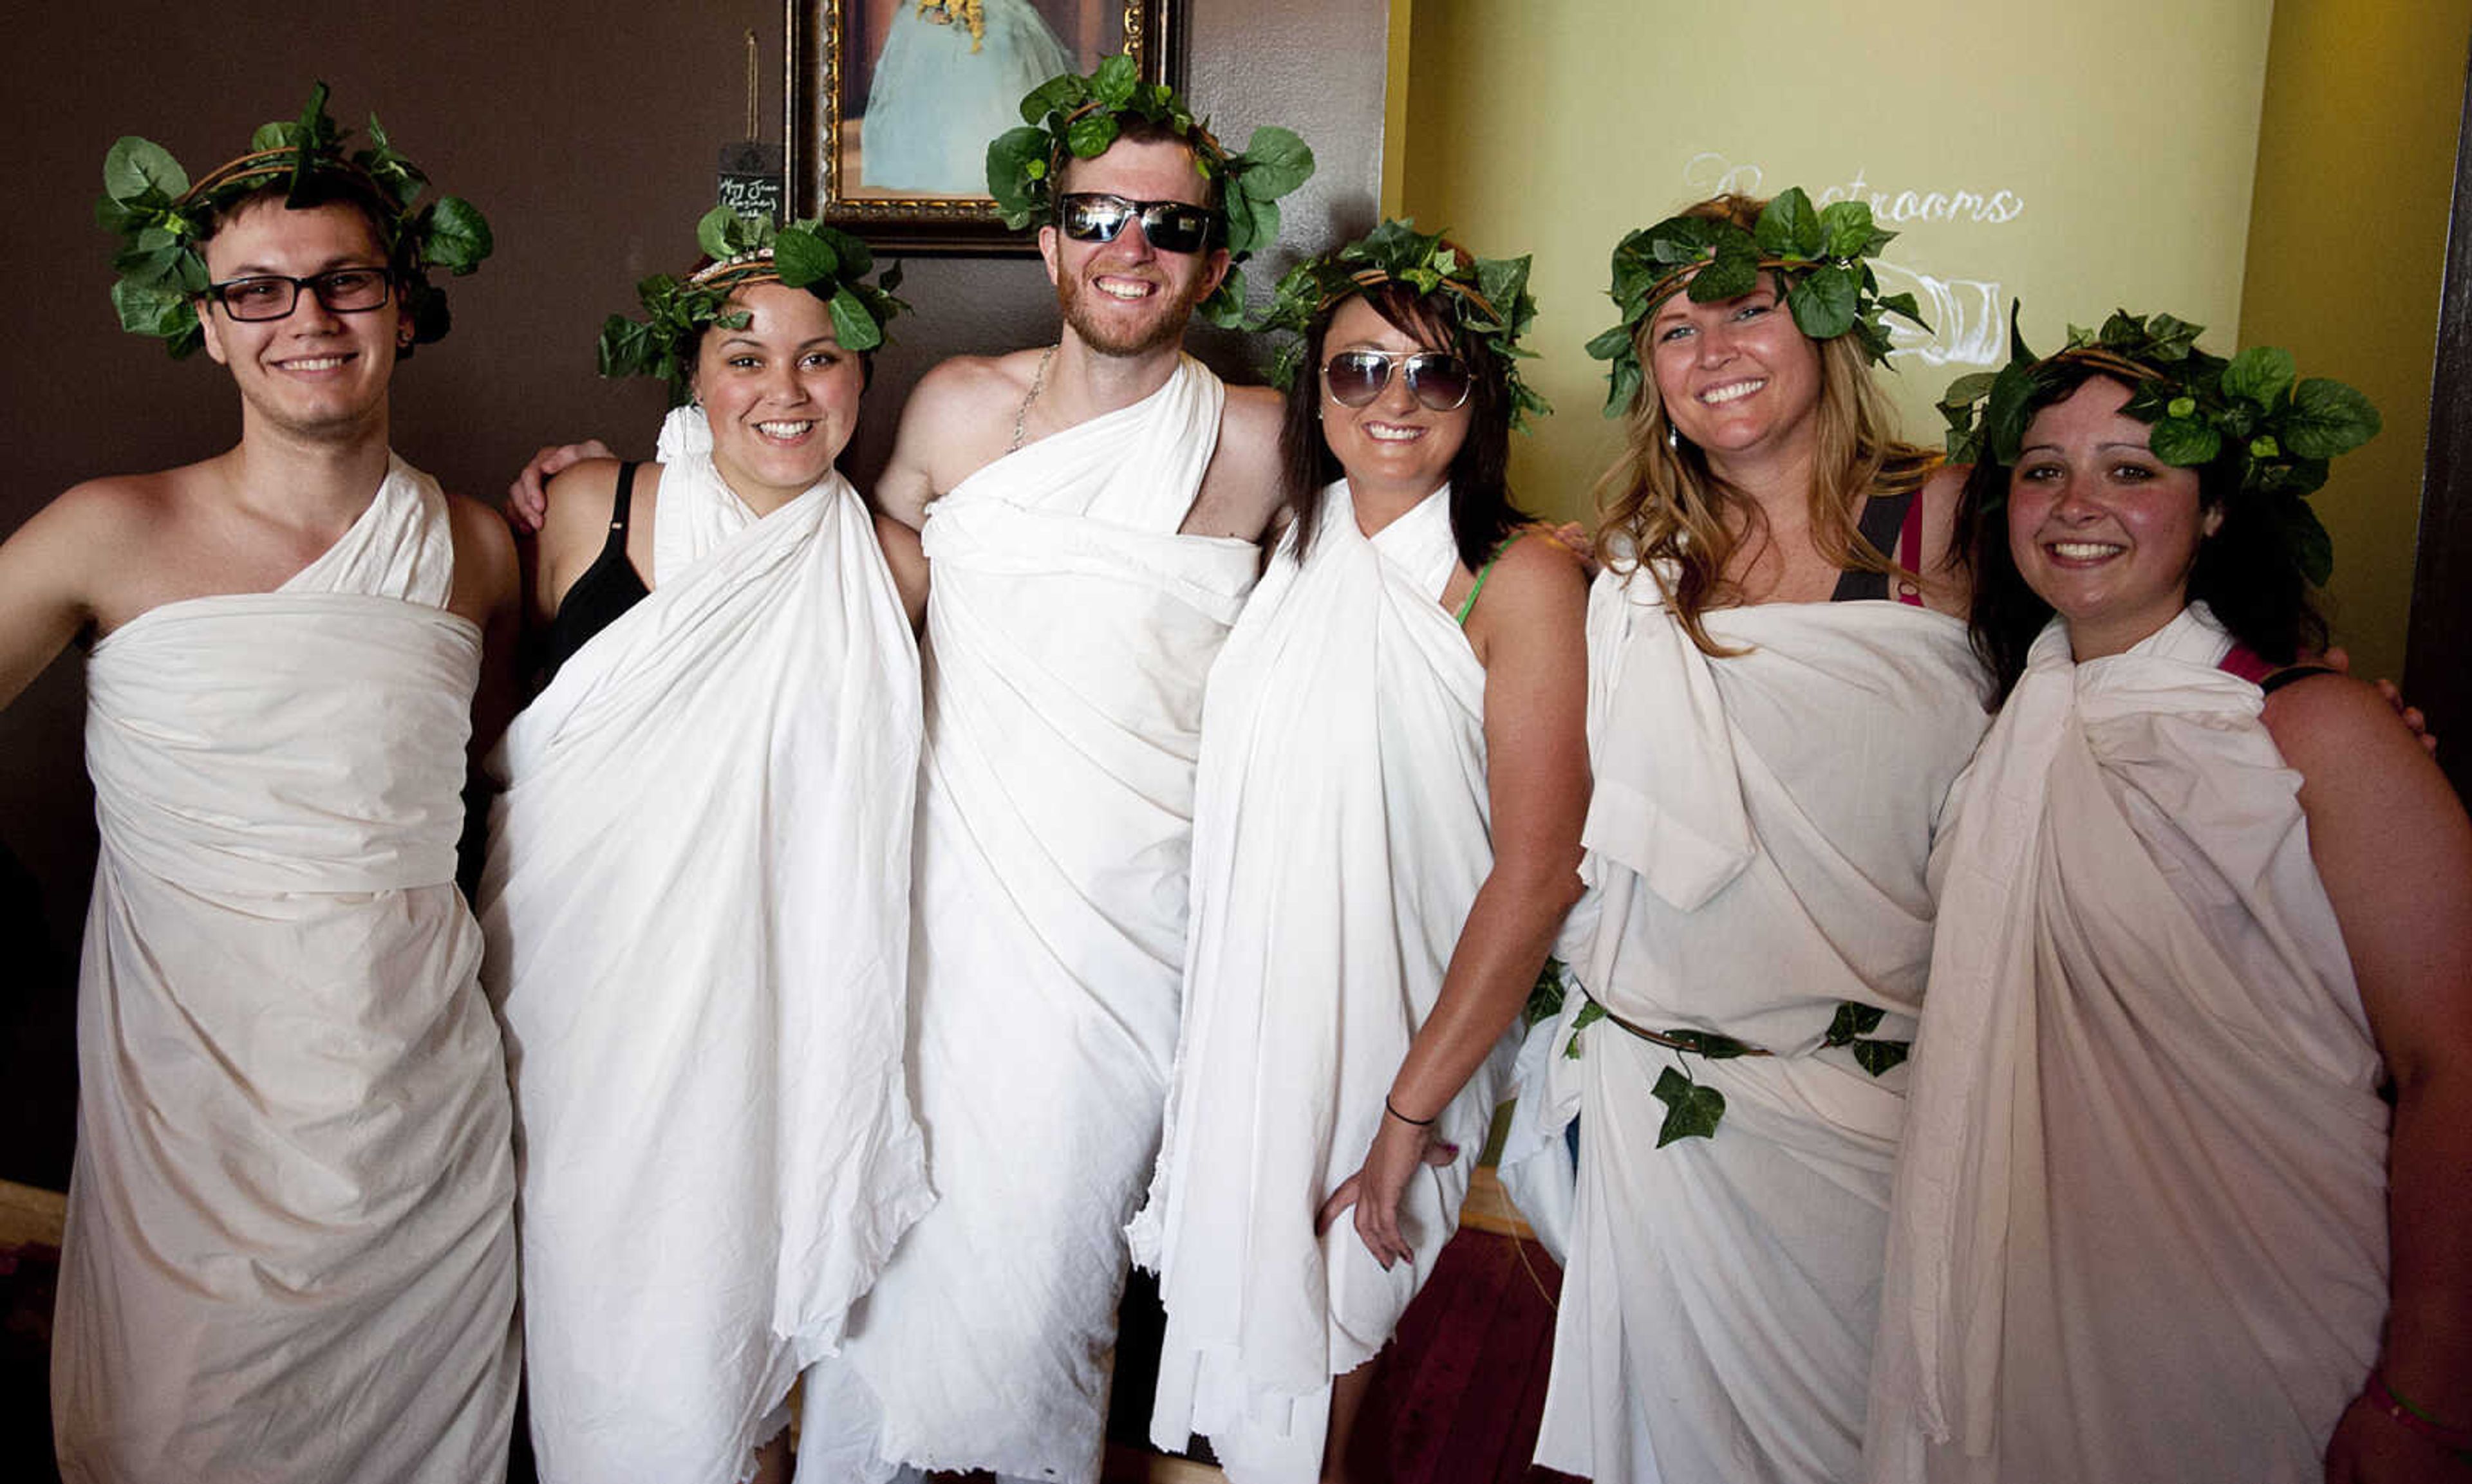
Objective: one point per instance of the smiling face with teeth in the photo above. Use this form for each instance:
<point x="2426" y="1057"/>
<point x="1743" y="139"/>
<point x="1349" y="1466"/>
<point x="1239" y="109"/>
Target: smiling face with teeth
<point x="1736" y="377"/>
<point x="780" y="395"/>
<point x="313" y="373"/>
<point x="2100" y="529"/>
<point x="1126" y="298"/>
<point x="1393" y="450"/>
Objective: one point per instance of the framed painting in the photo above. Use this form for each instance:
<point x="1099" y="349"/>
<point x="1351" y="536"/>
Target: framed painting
<point x="893" y="102"/>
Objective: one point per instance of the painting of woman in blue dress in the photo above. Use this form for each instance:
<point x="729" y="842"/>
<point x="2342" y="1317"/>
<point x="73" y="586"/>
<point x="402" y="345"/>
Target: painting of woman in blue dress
<point x="950" y="78"/>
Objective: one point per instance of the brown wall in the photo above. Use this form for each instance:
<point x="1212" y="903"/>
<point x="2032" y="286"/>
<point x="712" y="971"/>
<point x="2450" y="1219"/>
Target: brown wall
<point x="588" y="135"/>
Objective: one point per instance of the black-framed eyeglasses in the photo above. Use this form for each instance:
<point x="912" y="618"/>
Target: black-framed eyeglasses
<point x="344" y="290"/>
<point x="1438" y="379"/>
<point x="1170" y="225"/>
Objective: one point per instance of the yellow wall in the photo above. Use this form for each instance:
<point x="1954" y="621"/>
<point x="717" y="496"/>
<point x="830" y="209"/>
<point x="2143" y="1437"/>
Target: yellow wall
<point x="2355" y="167"/>
<point x="1554" y="128"/>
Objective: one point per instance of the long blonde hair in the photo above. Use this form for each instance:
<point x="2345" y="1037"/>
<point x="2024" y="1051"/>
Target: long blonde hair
<point x="1665" y="510"/>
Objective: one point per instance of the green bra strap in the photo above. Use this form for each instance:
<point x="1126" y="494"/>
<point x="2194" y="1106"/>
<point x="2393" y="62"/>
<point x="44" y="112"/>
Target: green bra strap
<point x="1467" y="606"/>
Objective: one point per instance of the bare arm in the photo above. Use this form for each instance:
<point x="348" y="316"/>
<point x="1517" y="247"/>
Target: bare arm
<point x="956" y="422"/>
<point x="908" y="561"/>
<point x="1529" y="627"/>
<point x="575" y="526"/>
<point x="528" y="497"/>
<point x="46" y="584"/>
<point x="2395" y="850"/>
<point x="488" y="590"/>
<point x="1242" y="489"/>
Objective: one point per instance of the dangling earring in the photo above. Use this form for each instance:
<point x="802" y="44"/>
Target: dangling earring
<point x="1672" y="445"/>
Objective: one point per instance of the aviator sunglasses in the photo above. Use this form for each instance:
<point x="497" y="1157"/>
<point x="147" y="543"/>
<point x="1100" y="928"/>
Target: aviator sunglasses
<point x="1437" y="379"/>
<point x="1170" y="225"/>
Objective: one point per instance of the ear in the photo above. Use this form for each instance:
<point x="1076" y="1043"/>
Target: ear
<point x="2211" y="522"/>
<point x="1214" y="271"/>
<point x="1047" y="250"/>
<point x="212" y="330"/>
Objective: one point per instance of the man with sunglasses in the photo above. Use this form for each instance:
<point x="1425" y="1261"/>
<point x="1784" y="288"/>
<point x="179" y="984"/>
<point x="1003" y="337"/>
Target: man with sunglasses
<point x="290" y="1247"/>
<point x="1090" y="510"/>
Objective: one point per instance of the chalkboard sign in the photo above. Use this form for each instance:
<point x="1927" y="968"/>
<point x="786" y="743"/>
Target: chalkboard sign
<point x="751" y="177"/>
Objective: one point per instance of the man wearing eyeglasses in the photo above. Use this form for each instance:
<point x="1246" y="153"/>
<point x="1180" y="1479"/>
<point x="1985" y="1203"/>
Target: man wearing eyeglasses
<point x="1090" y="509"/>
<point x="290" y="1250"/>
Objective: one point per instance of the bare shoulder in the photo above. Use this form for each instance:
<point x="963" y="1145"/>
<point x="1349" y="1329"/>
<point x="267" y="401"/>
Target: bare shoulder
<point x="1534" y="604"/>
<point x="110" y="524"/>
<point x="2330" y="724"/>
<point x="1241" y="490"/>
<point x="485" y="579"/>
<point x="958" y="419"/>
<point x="970" y="386"/>
<point x="1539" y="576"/>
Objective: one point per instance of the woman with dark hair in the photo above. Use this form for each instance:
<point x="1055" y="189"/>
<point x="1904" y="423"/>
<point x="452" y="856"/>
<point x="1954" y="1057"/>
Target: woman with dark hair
<point x="1385" y="835"/>
<point x="1779" y="694"/>
<point x="2183" y="1192"/>
<point x="696" y="889"/>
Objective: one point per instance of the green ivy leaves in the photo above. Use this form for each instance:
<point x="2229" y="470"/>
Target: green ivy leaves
<point x="824" y="260"/>
<point x="1491" y="300"/>
<point x="1693" y="1109"/>
<point x="1852" y="1027"/>
<point x="2278" y="430"/>
<point x="1075" y="117"/>
<point x="1819" y="253"/>
<point x="162" y="219"/>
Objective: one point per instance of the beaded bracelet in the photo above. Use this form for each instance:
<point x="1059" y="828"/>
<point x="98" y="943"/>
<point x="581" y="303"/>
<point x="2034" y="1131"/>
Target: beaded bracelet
<point x="1391" y="1109"/>
<point x="2413" y="1418"/>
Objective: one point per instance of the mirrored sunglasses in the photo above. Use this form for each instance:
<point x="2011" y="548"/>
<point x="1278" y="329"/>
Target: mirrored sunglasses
<point x="1170" y="225"/>
<point x="1437" y="379"/>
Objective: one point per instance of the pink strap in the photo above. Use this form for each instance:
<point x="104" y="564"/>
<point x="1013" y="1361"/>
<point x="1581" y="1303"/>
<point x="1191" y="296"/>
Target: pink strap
<point x="1909" y="549"/>
<point x="2245" y="663"/>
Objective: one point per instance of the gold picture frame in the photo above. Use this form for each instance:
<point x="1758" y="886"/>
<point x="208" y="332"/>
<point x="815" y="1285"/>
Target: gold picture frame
<point x="940" y="78"/>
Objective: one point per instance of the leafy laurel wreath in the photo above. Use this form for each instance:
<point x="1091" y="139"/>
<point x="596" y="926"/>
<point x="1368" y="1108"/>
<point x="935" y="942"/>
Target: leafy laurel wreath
<point x="1489" y="295"/>
<point x="1078" y="117"/>
<point x="826" y="262"/>
<point x="2282" y="431"/>
<point x="163" y="219"/>
<point x="1820" y="254"/>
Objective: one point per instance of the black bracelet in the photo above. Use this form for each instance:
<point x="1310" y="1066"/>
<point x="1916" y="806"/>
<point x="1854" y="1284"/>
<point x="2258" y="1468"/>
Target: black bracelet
<point x="1389" y="1108"/>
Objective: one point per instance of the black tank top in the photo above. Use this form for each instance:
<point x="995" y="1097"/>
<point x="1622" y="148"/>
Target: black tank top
<point x="607" y="588"/>
<point x="1882" y="523"/>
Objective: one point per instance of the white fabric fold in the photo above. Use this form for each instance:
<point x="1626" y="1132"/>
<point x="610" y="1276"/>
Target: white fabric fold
<point x="1339" y="837"/>
<point x="2140" y="998"/>
<point x="696" y="904"/>
<point x="1721" y="1292"/>
<point x="1069" y="632"/>
<point x="290" y="1248"/>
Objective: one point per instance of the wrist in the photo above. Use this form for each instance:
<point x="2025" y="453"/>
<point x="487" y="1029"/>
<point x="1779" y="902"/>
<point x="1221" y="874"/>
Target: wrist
<point x="1392" y="1109"/>
<point x="2414" y="1418"/>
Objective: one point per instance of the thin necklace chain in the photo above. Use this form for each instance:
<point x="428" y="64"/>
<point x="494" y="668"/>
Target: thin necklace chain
<point x="1021" y="415"/>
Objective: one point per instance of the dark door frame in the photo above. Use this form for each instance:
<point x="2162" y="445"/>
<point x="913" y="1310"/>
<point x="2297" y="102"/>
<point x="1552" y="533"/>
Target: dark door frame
<point x="2437" y="670"/>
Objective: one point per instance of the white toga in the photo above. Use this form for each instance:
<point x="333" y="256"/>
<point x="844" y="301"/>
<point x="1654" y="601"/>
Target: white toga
<point x="1068" y="637"/>
<point x="697" y="906"/>
<point x="2140" y="1226"/>
<point x="291" y="1248"/>
<point x="1339" y="837"/>
<point x="1756" y="850"/>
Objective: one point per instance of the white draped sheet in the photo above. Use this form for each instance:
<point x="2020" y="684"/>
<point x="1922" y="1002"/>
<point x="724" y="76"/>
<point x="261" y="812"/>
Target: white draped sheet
<point x="1756" y="850"/>
<point x="1340" y="836"/>
<point x="2140" y="1229"/>
<point x="696" y="905"/>
<point x="290" y="1252"/>
<point x="1069" y="632"/>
